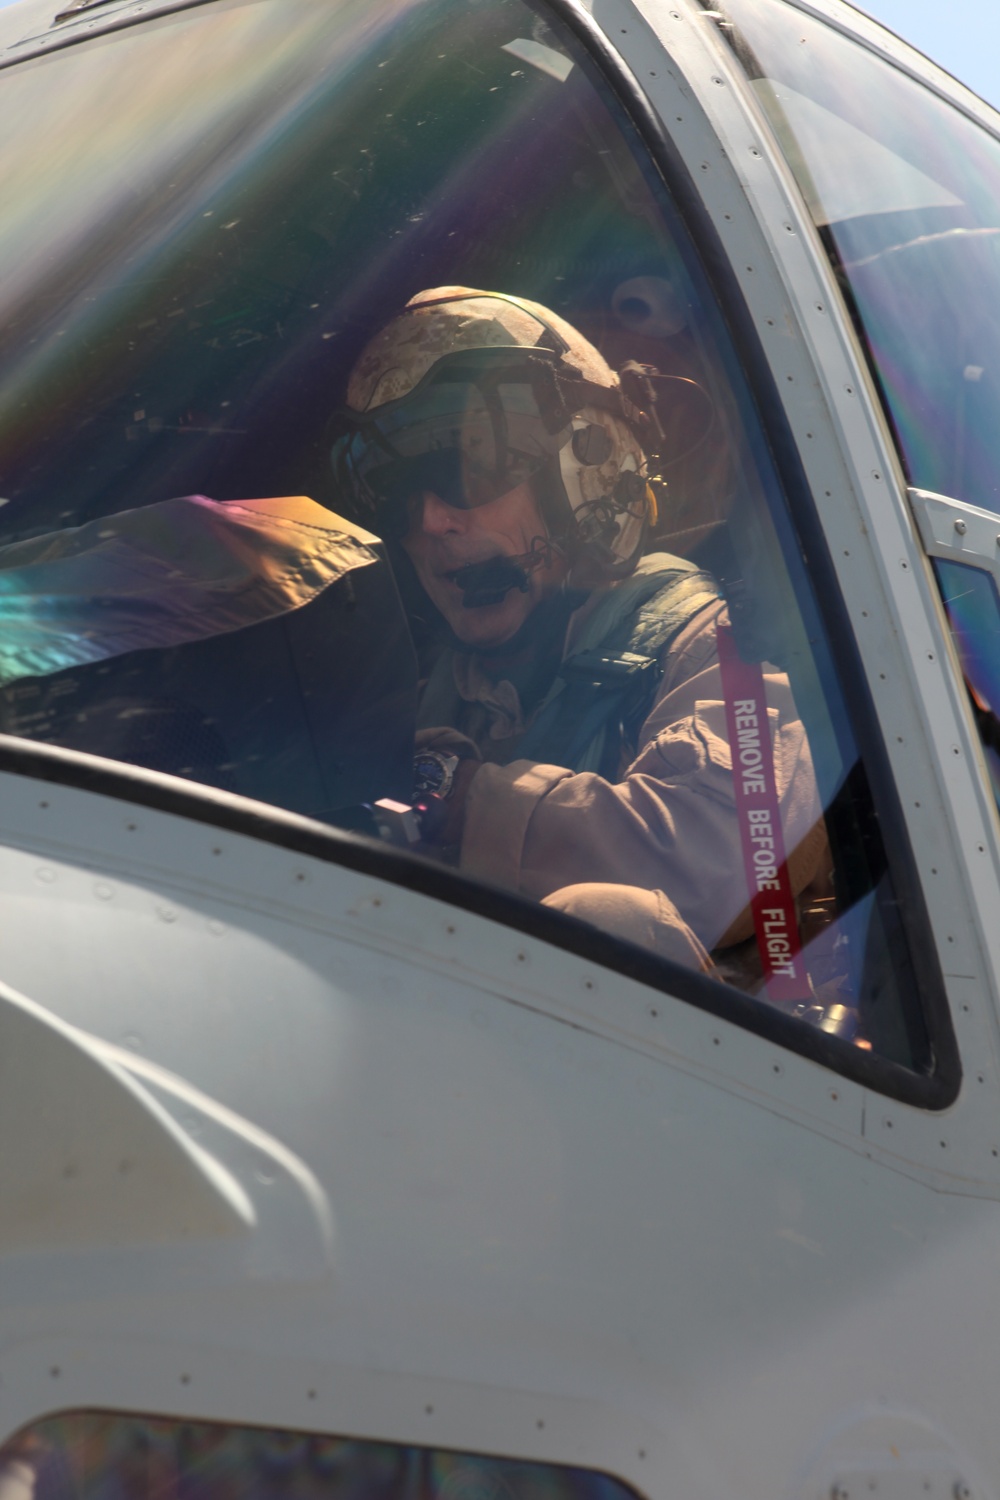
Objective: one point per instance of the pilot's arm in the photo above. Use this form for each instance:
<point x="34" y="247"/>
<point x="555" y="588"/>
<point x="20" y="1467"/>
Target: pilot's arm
<point x="669" y="825"/>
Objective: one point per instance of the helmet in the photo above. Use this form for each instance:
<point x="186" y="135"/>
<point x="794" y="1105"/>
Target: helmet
<point x="471" y="393"/>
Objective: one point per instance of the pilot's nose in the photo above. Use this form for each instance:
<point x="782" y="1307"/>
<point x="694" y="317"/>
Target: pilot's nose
<point x="436" y="518"/>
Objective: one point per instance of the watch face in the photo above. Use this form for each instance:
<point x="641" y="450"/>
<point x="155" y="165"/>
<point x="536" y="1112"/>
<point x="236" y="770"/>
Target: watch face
<point x="432" y="774"/>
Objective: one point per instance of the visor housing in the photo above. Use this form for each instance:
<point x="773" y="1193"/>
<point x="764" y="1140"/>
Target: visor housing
<point x="479" y="424"/>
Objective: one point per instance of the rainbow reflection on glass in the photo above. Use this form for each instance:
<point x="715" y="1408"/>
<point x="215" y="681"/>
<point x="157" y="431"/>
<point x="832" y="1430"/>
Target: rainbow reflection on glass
<point x="167" y="574"/>
<point x="100" y="1456"/>
<point x="906" y="191"/>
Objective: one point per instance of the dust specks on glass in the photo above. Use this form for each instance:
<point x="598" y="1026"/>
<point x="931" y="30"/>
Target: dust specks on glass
<point x="364" y="399"/>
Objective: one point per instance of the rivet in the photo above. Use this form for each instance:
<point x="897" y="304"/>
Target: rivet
<point x="961" y="527"/>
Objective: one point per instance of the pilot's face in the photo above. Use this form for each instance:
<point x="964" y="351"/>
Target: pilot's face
<point x="441" y="539"/>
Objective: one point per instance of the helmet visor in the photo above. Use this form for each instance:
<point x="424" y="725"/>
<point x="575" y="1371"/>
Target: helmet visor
<point x="478" y="425"/>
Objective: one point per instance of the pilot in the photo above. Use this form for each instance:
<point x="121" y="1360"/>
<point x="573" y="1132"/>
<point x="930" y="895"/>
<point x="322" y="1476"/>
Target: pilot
<point x="572" y="726"/>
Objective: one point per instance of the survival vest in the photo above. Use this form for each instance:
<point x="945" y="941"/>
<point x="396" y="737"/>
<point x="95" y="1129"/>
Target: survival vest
<point x="604" y="691"/>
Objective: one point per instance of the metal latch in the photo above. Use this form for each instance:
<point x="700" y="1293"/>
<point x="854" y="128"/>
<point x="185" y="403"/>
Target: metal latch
<point x="959" y="532"/>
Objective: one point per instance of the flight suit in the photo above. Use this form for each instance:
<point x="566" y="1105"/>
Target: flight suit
<point x="653" y="855"/>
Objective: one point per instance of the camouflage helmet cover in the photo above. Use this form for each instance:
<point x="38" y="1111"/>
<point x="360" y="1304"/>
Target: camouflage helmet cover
<point x="450" y="319"/>
<point x="447" y="319"/>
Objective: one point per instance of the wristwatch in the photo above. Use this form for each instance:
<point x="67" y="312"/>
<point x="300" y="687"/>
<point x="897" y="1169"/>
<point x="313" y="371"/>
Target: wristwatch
<point x="434" y="774"/>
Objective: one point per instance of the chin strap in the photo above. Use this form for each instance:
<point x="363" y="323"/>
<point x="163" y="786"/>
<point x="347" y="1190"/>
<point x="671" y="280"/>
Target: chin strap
<point x="772" y="901"/>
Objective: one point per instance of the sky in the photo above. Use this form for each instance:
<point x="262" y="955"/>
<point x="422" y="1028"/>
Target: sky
<point x="962" y="35"/>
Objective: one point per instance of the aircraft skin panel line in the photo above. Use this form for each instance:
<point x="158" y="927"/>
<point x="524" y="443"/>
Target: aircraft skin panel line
<point x="499" y="754"/>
